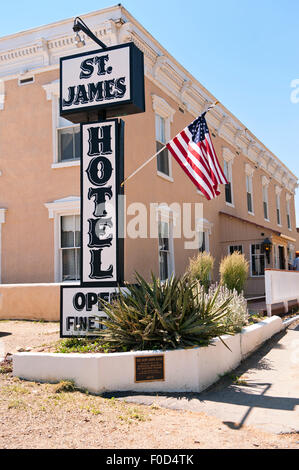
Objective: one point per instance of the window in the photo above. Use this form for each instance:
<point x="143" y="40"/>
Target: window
<point x="257" y="261"/>
<point x="204" y="230"/>
<point x="249" y="193"/>
<point x="288" y="213"/>
<point x="163" y="157"/>
<point x="228" y="157"/>
<point x="70" y="247"/>
<point x="164" y="250"/>
<point x="65" y="134"/>
<point x="233" y="248"/>
<point x="68" y="141"/>
<point x="66" y="216"/>
<point x="203" y="242"/>
<point x="278" y="209"/>
<point x="163" y="119"/>
<point x="228" y="187"/>
<point x="265" y="184"/>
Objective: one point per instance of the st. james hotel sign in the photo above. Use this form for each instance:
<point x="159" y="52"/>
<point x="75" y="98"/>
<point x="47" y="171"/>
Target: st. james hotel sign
<point x="94" y="87"/>
<point x="111" y="79"/>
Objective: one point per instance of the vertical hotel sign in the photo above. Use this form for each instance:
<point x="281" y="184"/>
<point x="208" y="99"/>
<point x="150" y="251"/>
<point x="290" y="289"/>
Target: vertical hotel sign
<point x="95" y="88"/>
<point x="101" y="175"/>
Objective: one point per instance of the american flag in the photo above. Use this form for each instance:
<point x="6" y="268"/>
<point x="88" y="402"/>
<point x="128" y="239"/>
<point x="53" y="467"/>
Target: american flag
<point x="194" y="151"/>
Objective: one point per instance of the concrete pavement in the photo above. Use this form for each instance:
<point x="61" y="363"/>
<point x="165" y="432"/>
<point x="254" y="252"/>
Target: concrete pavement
<point x="263" y="392"/>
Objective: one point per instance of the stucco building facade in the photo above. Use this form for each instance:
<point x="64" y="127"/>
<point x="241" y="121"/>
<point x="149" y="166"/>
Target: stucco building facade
<point x="40" y="169"/>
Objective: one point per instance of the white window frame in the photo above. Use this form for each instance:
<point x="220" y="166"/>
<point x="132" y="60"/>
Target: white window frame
<point x="2" y="221"/>
<point x="229" y="246"/>
<point x="250" y="257"/>
<point x="228" y="158"/>
<point x="288" y="212"/>
<point x="204" y="226"/>
<point x="166" y="216"/>
<point x="278" y="190"/>
<point x="57" y="209"/>
<point x="52" y="93"/>
<point x="249" y="186"/>
<point x="165" y="111"/>
<point x="265" y="196"/>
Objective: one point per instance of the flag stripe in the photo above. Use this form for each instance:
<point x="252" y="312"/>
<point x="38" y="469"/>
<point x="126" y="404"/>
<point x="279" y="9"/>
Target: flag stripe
<point x="193" y="149"/>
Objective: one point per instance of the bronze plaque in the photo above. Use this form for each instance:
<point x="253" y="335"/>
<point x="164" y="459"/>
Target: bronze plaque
<point x="149" y="368"/>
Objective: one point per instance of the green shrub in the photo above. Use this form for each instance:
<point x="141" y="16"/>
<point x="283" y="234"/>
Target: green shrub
<point x="234" y="271"/>
<point x="173" y="314"/>
<point x="200" y="268"/>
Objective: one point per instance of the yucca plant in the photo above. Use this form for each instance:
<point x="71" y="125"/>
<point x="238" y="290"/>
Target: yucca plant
<point x="164" y="315"/>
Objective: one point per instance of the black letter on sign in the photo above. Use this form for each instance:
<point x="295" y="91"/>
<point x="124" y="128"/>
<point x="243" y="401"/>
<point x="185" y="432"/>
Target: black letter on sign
<point x="99" y="145"/>
<point x="87" y="67"/>
<point x="95" y="91"/>
<point x="97" y="228"/>
<point x="69" y="102"/>
<point x="101" y="61"/>
<point x="81" y="96"/>
<point x="105" y="171"/>
<point x="96" y="265"/>
<point x="100" y="199"/>
<point x="79" y="301"/>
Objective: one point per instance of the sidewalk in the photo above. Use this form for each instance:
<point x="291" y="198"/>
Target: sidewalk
<point x="265" y="396"/>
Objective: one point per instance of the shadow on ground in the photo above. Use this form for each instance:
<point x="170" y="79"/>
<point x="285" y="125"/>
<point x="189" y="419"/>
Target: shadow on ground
<point x="227" y="390"/>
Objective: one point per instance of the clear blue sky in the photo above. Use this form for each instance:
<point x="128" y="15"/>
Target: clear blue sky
<point x="245" y="52"/>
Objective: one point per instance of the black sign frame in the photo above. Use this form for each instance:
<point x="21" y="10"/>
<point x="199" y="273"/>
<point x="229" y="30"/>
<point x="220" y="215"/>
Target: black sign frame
<point x="102" y="285"/>
<point x="119" y="170"/>
<point x="136" y="103"/>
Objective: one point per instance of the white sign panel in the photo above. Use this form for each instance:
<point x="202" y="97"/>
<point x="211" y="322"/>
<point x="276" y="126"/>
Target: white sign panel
<point x="99" y="189"/>
<point x="104" y="79"/>
<point x="80" y="307"/>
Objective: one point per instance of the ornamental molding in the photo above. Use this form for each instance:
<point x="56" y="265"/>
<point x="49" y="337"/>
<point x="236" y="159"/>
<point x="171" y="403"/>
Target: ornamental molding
<point x="65" y="205"/>
<point x="249" y="170"/>
<point x="265" y="181"/>
<point x="228" y="155"/>
<point x="55" y="41"/>
<point x="161" y="107"/>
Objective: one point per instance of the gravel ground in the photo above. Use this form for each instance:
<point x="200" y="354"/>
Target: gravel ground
<point x="35" y="416"/>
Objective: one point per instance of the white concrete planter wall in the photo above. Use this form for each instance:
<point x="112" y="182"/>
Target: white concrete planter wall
<point x="186" y="370"/>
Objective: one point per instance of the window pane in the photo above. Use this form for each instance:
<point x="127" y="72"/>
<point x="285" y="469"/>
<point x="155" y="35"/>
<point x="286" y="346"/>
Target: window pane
<point x="67" y="231"/>
<point x="162" y="159"/>
<point x="163" y="259"/>
<point x="228" y="193"/>
<point x="249" y="202"/>
<point x="202" y="242"/>
<point x="278" y="216"/>
<point x="68" y="265"/>
<point x="265" y="210"/>
<point x="160" y="129"/>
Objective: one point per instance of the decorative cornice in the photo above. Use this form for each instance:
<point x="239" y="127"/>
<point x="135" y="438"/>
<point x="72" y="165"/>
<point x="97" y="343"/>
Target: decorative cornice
<point x="160" y="68"/>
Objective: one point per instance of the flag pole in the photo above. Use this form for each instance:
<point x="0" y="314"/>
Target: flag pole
<point x="156" y="154"/>
<point x="143" y="165"/>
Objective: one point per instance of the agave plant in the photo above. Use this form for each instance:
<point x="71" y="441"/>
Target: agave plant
<point x="164" y="315"/>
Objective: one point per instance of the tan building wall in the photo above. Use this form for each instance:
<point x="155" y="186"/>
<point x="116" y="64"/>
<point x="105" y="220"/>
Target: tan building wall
<point x="28" y="182"/>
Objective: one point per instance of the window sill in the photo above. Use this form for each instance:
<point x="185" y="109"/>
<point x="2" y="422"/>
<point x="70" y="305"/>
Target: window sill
<point x="165" y="177"/>
<point x="266" y="220"/>
<point x="66" y="164"/>
<point x="230" y="204"/>
<point x="250" y="213"/>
